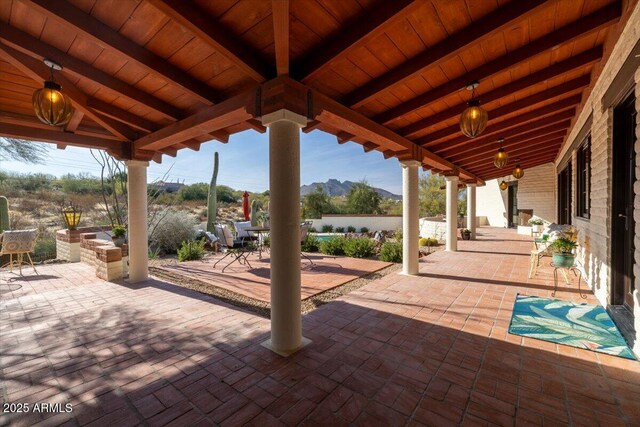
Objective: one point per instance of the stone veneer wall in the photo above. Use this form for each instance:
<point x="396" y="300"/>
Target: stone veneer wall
<point x="594" y="254"/>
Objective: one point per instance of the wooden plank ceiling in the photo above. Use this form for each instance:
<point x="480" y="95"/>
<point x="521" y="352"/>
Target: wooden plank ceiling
<point x="150" y="77"/>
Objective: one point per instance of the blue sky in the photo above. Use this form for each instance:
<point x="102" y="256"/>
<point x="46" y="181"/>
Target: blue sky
<point x="244" y="163"/>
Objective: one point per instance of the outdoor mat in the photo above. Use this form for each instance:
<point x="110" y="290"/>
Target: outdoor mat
<point x="577" y="325"/>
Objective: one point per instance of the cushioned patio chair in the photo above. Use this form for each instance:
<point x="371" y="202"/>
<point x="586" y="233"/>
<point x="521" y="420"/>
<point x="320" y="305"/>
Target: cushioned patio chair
<point x="18" y="243"/>
<point x="237" y="249"/>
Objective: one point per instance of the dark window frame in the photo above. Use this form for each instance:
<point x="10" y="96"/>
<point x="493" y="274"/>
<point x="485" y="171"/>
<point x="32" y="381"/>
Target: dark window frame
<point x="583" y="179"/>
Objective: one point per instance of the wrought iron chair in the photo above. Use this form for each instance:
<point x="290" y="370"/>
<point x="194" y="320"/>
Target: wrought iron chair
<point x="238" y="249"/>
<point x="18" y="243"/>
<point x="304" y="232"/>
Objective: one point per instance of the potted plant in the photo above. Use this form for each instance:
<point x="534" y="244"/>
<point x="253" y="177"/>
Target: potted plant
<point x="465" y="233"/>
<point x="563" y="255"/>
<point x="537" y="225"/>
<point x="118" y="233"/>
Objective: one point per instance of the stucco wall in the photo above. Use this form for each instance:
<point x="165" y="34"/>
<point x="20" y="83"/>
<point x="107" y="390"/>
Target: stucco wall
<point x="594" y="254"/>
<point x="536" y="190"/>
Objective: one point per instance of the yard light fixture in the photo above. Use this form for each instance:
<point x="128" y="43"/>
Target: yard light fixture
<point x="473" y="119"/>
<point x="71" y="215"/>
<point x="503" y="185"/>
<point x="49" y="103"/>
<point x="501" y="158"/>
<point x="518" y="172"/>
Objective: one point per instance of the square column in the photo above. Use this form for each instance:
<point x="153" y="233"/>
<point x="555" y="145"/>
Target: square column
<point x="471" y="209"/>
<point x="137" y="220"/>
<point x="284" y="205"/>
<point x="452" y="213"/>
<point x="410" y="217"/>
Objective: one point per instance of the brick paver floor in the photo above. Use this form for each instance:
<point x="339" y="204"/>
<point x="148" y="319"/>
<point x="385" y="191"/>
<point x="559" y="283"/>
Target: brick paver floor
<point x="429" y="350"/>
<point x="326" y="272"/>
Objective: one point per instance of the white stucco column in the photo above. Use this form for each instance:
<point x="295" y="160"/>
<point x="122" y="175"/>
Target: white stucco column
<point x="284" y="205"/>
<point x="452" y="213"/>
<point x="471" y="209"/>
<point x="410" y="216"/>
<point x="137" y="220"/>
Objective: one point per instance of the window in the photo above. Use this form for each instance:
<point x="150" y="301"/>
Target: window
<point x="564" y="195"/>
<point x="583" y="178"/>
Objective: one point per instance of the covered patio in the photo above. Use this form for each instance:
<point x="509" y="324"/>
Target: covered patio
<point x="431" y="349"/>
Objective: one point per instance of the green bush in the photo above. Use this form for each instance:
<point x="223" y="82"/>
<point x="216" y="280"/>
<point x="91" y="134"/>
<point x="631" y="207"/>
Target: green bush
<point x="118" y="231"/>
<point x="168" y="231"/>
<point x="327" y="228"/>
<point x="428" y="241"/>
<point x="351" y="229"/>
<point x="359" y="248"/>
<point x="310" y="244"/>
<point x="45" y="247"/>
<point x="333" y="246"/>
<point x="364" y="230"/>
<point x="312" y="230"/>
<point x="191" y="250"/>
<point x="339" y="229"/>
<point x="391" y="252"/>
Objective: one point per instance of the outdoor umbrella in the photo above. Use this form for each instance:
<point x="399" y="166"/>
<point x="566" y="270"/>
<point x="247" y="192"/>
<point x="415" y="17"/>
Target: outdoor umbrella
<point x="245" y="205"/>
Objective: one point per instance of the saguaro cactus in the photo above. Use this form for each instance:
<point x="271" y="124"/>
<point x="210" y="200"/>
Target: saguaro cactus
<point x="4" y="214"/>
<point x="212" y="204"/>
<point x="255" y="209"/>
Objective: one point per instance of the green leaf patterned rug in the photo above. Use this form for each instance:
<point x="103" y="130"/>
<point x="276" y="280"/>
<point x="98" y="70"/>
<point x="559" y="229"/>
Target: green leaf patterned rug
<point x="578" y="325"/>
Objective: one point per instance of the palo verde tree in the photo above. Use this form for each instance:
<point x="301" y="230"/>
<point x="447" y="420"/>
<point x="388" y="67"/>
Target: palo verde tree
<point x="363" y="199"/>
<point x="316" y="203"/>
<point x="22" y="151"/>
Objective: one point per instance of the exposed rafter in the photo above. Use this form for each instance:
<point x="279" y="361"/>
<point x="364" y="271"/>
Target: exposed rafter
<point x="476" y="32"/>
<point x="74" y="122"/>
<point x="39" y="72"/>
<point x="535" y="146"/>
<point x="355" y="33"/>
<point x="104" y="35"/>
<point x="523" y="103"/>
<point x="280" y="13"/>
<point x="558" y="69"/>
<point x="222" y="39"/>
<point x="489" y="173"/>
<point x="587" y="25"/>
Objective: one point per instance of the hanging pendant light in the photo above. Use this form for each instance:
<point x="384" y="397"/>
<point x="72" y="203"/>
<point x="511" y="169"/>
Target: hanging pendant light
<point x="501" y="158"/>
<point x="518" y="172"/>
<point x="473" y="119"/>
<point x="503" y="185"/>
<point x="49" y="103"/>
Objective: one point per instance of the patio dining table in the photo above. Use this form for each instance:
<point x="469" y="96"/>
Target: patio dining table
<point x="263" y="233"/>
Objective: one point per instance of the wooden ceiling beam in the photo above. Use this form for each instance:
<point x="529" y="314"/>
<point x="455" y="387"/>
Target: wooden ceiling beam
<point x="354" y="33"/>
<point x="488" y="150"/>
<point x="280" y="13"/>
<point x="523" y="103"/>
<point x="39" y="72"/>
<point x="121" y="115"/>
<point x="592" y="23"/>
<point x="369" y="146"/>
<point x="74" y="122"/>
<point x="34" y="47"/>
<point x="518" y="134"/>
<point x="231" y="112"/>
<point x="494" y="173"/>
<point x="474" y="33"/>
<point x="107" y="37"/>
<point x="34" y="122"/>
<point x="537" y="146"/>
<point x="256" y="125"/>
<point x="58" y="136"/>
<point x="494" y="130"/>
<point x="586" y="58"/>
<point x="343" y="137"/>
<point x="216" y="35"/>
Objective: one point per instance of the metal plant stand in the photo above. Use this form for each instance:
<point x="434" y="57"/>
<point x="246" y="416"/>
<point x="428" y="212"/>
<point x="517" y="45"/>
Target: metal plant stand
<point x="576" y="272"/>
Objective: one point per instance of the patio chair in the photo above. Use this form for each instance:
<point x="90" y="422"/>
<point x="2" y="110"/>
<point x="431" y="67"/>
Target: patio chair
<point x="18" y="243"/>
<point x="235" y="248"/>
<point x="304" y="232"/>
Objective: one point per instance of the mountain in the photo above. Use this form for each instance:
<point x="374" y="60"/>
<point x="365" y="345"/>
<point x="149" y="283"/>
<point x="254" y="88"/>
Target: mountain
<point x="333" y="187"/>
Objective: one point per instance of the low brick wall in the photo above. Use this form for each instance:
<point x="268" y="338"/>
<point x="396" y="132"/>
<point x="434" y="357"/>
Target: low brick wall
<point x="82" y="245"/>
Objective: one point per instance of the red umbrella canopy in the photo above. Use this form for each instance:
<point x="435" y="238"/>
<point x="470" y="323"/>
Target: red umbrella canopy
<point x="245" y="205"/>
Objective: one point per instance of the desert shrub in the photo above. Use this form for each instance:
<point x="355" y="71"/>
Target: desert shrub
<point x="327" y="228"/>
<point x="191" y="250"/>
<point x="359" y="248"/>
<point x="351" y="229"/>
<point x="333" y="246"/>
<point x="168" y="231"/>
<point x="339" y="229"/>
<point x="364" y="230"/>
<point x="428" y="241"/>
<point x="310" y="244"/>
<point x="391" y="252"/>
<point x="45" y="246"/>
<point x="199" y="191"/>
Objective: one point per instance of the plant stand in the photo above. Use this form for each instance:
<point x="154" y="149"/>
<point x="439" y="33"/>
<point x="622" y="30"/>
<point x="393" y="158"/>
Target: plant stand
<point x="576" y="272"/>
